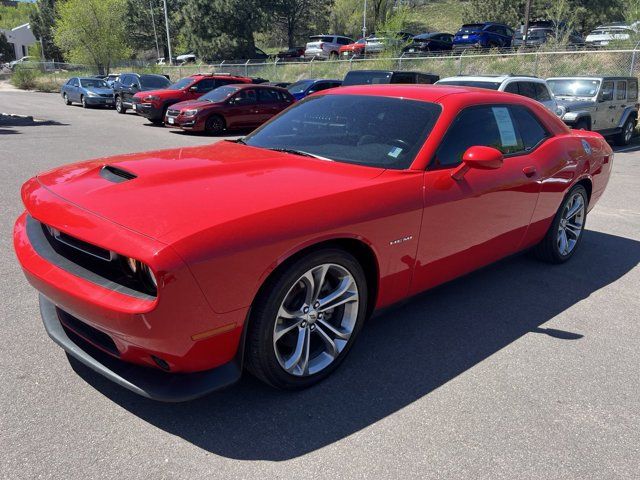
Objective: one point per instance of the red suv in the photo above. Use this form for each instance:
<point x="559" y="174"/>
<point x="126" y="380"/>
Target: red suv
<point x="153" y="104"/>
<point x="231" y="107"/>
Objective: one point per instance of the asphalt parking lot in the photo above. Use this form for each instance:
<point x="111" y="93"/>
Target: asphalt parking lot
<point x="521" y="370"/>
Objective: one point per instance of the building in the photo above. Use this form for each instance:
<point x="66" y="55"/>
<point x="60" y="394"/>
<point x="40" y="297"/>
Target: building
<point x="21" y="38"/>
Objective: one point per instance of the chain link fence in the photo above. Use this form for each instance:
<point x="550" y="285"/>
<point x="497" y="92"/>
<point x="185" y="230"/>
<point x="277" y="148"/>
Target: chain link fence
<point x="538" y="63"/>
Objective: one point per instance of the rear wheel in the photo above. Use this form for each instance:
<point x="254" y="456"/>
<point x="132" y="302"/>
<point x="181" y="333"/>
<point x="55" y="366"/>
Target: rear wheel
<point x="306" y="319"/>
<point x="625" y="136"/>
<point x="120" y="108"/>
<point x="565" y="233"/>
<point x="66" y="99"/>
<point x="215" y="125"/>
<point x="582" y="125"/>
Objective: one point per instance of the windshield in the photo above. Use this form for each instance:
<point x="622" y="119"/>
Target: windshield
<point x="182" y="83"/>
<point x="471" y="28"/>
<point x="219" y="94"/>
<point x="93" y="83"/>
<point x="154" y="81"/>
<point x="471" y="83"/>
<point x="366" y="130"/>
<point x="300" y="86"/>
<point x="572" y="87"/>
<point x="366" y="78"/>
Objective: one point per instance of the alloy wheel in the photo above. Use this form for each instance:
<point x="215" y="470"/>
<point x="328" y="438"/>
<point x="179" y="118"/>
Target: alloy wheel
<point x="628" y="132"/>
<point x="571" y="224"/>
<point x="316" y="319"/>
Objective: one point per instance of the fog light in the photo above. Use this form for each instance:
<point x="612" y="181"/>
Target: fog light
<point x="161" y="363"/>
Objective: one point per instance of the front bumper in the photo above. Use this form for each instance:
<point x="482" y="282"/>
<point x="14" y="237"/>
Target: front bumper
<point x="185" y="123"/>
<point x="149" y="111"/>
<point x="99" y="100"/>
<point x="146" y="381"/>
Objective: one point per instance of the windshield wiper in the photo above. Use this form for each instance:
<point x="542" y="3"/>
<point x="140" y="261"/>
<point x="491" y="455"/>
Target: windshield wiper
<point x="299" y="152"/>
<point x="241" y="141"/>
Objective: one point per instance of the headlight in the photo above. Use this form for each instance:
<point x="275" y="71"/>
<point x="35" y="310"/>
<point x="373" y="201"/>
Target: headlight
<point x="560" y="111"/>
<point x="151" y="98"/>
<point x="190" y="113"/>
<point x="91" y="94"/>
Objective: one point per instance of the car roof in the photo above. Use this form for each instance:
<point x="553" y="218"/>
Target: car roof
<point x="420" y="92"/>
<point x="592" y="77"/>
<point x="430" y="34"/>
<point x="493" y="78"/>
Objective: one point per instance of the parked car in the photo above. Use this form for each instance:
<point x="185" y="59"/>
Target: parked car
<point x="353" y="50"/>
<point x="165" y="61"/>
<point x="607" y="105"/>
<point x="128" y="84"/>
<point x="21" y="62"/>
<point x="294" y="53"/>
<point x="369" y="77"/>
<point x="186" y="58"/>
<point x="483" y="35"/>
<point x="377" y="44"/>
<point x="279" y="84"/>
<point x="89" y="92"/>
<point x="531" y="87"/>
<point x="540" y="32"/>
<point x="302" y="88"/>
<point x="110" y="79"/>
<point x="153" y="104"/>
<point x="605" y="34"/>
<point x="325" y="47"/>
<point x="231" y="107"/>
<point x="429" y="42"/>
<point x="261" y="254"/>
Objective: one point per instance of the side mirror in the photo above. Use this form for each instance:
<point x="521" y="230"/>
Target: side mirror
<point x="478" y="157"/>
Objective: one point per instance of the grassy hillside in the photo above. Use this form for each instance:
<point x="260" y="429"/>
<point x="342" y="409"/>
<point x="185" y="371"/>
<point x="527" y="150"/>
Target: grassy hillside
<point x="440" y="15"/>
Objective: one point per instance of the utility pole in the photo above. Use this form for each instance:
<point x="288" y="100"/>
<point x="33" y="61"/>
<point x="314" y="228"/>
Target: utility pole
<point x="364" y="20"/>
<point x="527" y="10"/>
<point x="166" y="22"/>
<point x="155" y="33"/>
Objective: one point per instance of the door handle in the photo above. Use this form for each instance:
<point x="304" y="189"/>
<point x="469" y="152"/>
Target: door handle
<point x="611" y="107"/>
<point x="529" y="171"/>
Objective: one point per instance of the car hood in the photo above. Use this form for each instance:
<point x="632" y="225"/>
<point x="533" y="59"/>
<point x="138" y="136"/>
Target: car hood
<point x="176" y="193"/>
<point x="191" y="104"/>
<point x="572" y="105"/>
<point x="100" y="91"/>
<point x="162" y="93"/>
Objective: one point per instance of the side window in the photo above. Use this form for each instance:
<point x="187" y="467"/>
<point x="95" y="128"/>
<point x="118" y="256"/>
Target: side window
<point x="632" y="95"/>
<point x="343" y="41"/>
<point x="606" y="94"/>
<point x="512" y="88"/>
<point x="542" y="92"/>
<point x="530" y="130"/>
<point x="487" y="126"/>
<point x="528" y="89"/>
<point x="71" y="82"/>
<point x="266" y="95"/>
<point x="205" y="85"/>
<point x="621" y="90"/>
<point x="422" y="79"/>
<point x="320" y="86"/>
<point x="245" y="97"/>
<point x="403" y="78"/>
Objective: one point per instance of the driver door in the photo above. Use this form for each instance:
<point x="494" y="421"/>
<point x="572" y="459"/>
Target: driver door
<point x="483" y="216"/>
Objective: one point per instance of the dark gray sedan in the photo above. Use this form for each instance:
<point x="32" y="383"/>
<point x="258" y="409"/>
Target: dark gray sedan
<point x="88" y="92"/>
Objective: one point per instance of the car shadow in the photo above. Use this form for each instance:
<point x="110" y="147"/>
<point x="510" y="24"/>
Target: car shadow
<point x="9" y="122"/>
<point x="402" y="354"/>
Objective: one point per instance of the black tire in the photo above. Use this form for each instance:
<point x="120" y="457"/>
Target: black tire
<point x="548" y="250"/>
<point x="83" y="102"/>
<point x="626" y="135"/>
<point x="120" y="108"/>
<point x="66" y="99"/>
<point x="215" y="125"/>
<point x="582" y="124"/>
<point x="260" y="352"/>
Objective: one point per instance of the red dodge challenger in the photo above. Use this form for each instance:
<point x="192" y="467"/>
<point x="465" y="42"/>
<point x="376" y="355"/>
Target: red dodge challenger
<point x="170" y="272"/>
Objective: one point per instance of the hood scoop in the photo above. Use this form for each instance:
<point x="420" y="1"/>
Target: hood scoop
<point x="115" y="174"/>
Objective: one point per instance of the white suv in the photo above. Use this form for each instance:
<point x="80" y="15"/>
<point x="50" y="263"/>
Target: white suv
<point x="532" y="87"/>
<point x="325" y="46"/>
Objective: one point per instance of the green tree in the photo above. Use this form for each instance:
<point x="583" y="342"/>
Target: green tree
<point x="140" y="18"/>
<point x="42" y="19"/>
<point x="7" y="53"/>
<point x="91" y="32"/>
<point x="346" y="16"/>
<point x="294" y="19"/>
<point x="216" y="29"/>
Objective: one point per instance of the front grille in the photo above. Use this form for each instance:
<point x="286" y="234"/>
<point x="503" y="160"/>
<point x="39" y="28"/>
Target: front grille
<point x="173" y="112"/>
<point x="106" y="95"/>
<point x="80" y="245"/>
<point x="88" y="333"/>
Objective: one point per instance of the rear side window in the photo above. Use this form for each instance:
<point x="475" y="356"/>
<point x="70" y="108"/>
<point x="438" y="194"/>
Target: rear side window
<point x="403" y="78"/>
<point x="344" y="41"/>
<point x="205" y="85"/>
<point x="510" y="129"/>
<point x="266" y="95"/>
<point x="528" y="89"/>
<point x="633" y="90"/>
<point x="621" y="90"/>
<point x="542" y="92"/>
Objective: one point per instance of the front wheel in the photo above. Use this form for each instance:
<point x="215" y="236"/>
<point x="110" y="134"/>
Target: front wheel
<point x="214" y="125"/>
<point x="83" y="101"/>
<point x="306" y="319"/>
<point x="120" y="108"/>
<point x="564" y="234"/>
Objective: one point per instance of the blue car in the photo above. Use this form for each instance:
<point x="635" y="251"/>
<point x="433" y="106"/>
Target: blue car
<point x="483" y="35"/>
<point x="302" y="88"/>
<point x="88" y="92"/>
